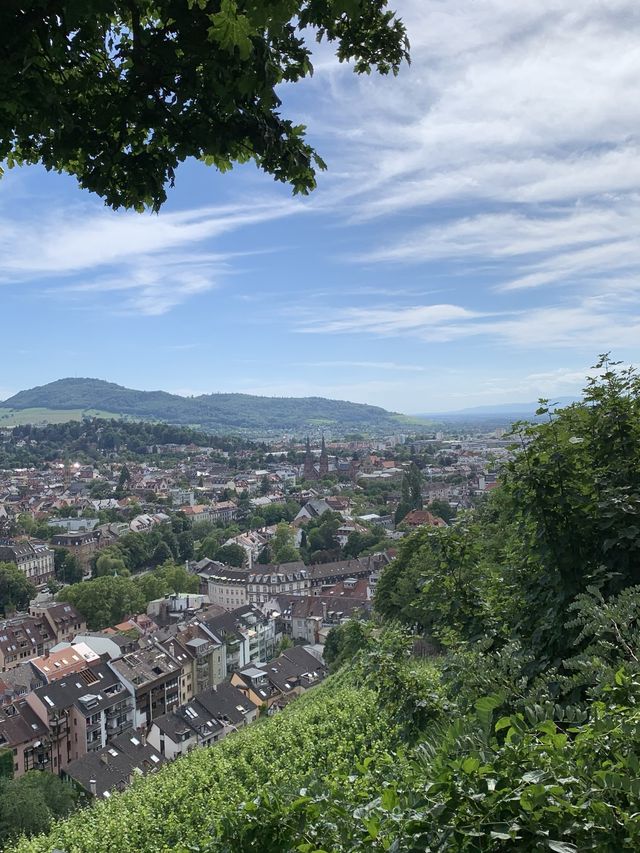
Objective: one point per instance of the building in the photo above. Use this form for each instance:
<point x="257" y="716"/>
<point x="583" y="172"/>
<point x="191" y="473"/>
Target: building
<point x="64" y="621"/>
<point x="248" y="636"/>
<point x="277" y="682"/>
<point x="26" y="737"/>
<point x="82" y="712"/>
<point x="83" y="545"/>
<point x="206" y="719"/>
<point x="224" y="585"/>
<point x="33" y="559"/>
<point x="278" y="579"/>
<point x="23" y="638"/>
<point x="422" y="518"/>
<point x="152" y="678"/>
<point x="63" y="660"/>
<point x="115" y="766"/>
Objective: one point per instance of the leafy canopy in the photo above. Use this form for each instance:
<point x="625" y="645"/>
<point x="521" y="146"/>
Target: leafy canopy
<point x="119" y="92"/>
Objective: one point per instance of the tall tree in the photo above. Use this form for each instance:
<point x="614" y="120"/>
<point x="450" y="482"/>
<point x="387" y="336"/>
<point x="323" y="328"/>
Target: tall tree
<point x="15" y="589"/>
<point x="118" y="94"/>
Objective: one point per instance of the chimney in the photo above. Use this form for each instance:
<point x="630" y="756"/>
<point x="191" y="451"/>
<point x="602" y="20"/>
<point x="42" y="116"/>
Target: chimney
<point x="93" y="787"/>
<point x="46" y="653"/>
<point x="143" y="738"/>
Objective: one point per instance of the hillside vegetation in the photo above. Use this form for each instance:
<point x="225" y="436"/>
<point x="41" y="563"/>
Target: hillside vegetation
<point x="217" y="412"/>
<point x="522" y="733"/>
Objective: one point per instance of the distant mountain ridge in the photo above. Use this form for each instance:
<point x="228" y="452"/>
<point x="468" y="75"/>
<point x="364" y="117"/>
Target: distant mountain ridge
<point x="216" y="412"/>
<point x="504" y="408"/>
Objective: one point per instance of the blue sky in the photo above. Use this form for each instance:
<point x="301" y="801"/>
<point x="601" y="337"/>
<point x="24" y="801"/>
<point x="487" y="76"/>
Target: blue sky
<point x="475" y="240"/>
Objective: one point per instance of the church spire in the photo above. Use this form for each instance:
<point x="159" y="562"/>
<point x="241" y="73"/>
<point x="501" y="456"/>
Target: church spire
<point x="323" y="465"/>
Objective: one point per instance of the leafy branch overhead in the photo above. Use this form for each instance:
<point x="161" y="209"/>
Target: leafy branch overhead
<point x="119" y="92"/>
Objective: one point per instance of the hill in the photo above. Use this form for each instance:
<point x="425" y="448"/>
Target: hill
<point x="215" y="412"/>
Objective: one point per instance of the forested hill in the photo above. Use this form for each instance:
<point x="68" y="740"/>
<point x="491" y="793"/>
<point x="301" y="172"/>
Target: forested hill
<point x="217" y="412"/>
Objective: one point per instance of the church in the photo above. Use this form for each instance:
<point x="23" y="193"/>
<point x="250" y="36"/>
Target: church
<point x="311" y="471"/>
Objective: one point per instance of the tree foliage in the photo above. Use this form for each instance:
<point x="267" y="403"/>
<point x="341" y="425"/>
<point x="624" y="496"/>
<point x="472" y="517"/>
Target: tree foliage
<point x="15" y="589"/>
<point x="118" y="94"/>
<point x="28" y="805"/>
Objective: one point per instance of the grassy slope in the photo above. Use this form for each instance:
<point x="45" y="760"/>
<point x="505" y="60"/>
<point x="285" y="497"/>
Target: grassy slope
<point x="40" y="416"/>
<point x="324" y="731"/>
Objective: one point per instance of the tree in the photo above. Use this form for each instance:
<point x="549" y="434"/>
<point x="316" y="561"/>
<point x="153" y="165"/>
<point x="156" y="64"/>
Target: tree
<point x="161" y="554"/>
<point x="177" y="578"/>
<point x="106" y="600"/>
<point x="231" y="555"/>
<point x="30" y="803"/>
<point x="15" y="590"/>
<point x="118" y="94"/>
<point x="67" y="567"/>
<point x="442" y="509"/>
<point x="281" y="545"/>
<point x="109" y="564"/>
<point x="264" y="485"/>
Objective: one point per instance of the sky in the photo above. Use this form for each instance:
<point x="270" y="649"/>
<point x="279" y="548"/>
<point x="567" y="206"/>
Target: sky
<point x="475" y="239"/>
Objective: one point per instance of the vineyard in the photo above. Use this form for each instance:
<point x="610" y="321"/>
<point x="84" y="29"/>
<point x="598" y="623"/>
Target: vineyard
<point x="185" y="802"/>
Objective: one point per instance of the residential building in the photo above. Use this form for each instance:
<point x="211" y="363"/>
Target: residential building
<point x="224" y="585"/>
<point x="277" y="682"/>
<point x="206" y="719"/>
<point x="27" y="737"/>
<point x="83" y="545"/>
<point x="114" y="766"/>
<point x="22" y="638"/>
<point x="81" y="712"/>
<point x="247" y="633"/>
<point x="64" y="620"/>
<point x="152" y="677"/>
<point x="278" y="579"/>
<point x="33" y="559"/>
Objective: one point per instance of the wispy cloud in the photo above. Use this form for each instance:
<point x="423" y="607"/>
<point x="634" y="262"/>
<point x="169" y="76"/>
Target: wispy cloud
<point x="367" y="365"/>
<point x="156" y="262"/>
<point x="593" y="322"/>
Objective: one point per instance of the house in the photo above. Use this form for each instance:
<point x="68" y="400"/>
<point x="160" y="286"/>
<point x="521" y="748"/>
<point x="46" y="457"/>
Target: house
<point x="24" y="734"/>
<point x="275" y="683"/>
<point x="324" y="575"/>
<point x="248" y="635"/>
<point x="422" y="518"/>
<point x="273" y="580"/>
<point x="224" y="585"/>
<point x="17" y="682"/>
<point x="22" y="638"/>
<point x="63" y="660"/>
<point x="206" y="719"/>
<point x="252" y="542"/>
<point x="114" y="767"/>
<point x="312" y="509"/>
<point x="304" y="617"/>
<point x="33" y="559"/>
<point x="152" y="678"/>
<point x="83" y="545"/>
<point x="202" y="655"/>
<point x="63" y="619"/>
<point x="81" y="712"/>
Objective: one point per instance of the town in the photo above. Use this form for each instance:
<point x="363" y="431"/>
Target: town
<point x="159" y="596"/>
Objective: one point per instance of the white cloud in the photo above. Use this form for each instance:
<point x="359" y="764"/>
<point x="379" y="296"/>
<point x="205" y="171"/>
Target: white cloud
<point x="154" y="260"/>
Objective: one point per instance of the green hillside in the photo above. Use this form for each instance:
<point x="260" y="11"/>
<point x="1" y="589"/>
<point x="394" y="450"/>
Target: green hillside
<point x="215" y="412"/>
<point x="521" y="731"/>
<point x="40" y="416"/>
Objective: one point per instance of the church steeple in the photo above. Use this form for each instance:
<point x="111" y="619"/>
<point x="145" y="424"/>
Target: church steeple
<point x="309" y="471"/>
<point x="323" y="467"/>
